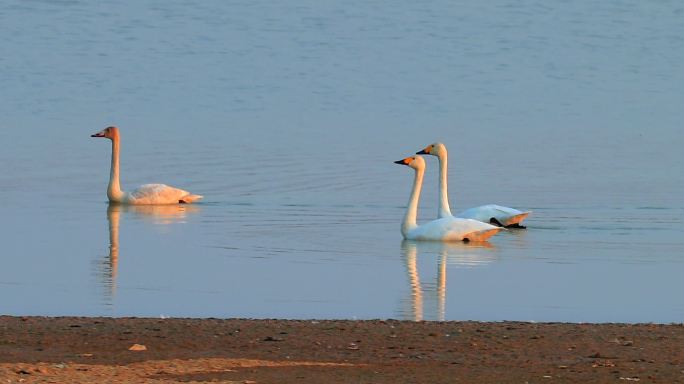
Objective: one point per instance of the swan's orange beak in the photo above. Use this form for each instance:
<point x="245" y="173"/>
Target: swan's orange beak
<point x="405" y="161"/>
<point x="99" y="134"/>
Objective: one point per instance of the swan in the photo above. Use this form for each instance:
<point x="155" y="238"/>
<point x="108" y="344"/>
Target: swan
<point x="145" y="194"/>
<point x="443" y="229"/>
<point x="490" y="213"/>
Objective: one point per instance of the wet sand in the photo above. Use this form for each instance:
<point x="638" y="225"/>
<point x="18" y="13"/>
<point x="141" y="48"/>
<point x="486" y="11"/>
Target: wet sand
<point x="96" y="350"/>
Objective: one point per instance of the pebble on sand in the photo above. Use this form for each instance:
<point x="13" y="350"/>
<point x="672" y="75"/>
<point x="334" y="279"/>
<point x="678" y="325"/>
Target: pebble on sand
<point x="137" y="347"/>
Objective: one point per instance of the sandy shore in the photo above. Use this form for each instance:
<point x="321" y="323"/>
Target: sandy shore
<point x="97" y="350"/>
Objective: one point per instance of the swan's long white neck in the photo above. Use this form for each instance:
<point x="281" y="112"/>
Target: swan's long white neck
<point x="443" y="210"/>
<point x="114" y="192"/>
<point x="409" y="221"/>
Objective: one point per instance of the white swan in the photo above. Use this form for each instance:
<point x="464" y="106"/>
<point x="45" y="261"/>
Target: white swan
<point x="490" y="213"/>
<point x="444" y="229"/>
<point x="145" y="194"/>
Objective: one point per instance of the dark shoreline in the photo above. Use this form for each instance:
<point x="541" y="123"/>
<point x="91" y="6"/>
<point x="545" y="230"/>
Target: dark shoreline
<point x="85" y="349"/>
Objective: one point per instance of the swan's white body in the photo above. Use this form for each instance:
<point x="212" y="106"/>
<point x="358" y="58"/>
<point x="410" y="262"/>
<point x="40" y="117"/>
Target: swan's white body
<point x="157" y="194"/>
<point x="490" y="213"/>
<point x="443" y="229"/>
<point x="452" y="229"/>
<point x="145" y="194"/>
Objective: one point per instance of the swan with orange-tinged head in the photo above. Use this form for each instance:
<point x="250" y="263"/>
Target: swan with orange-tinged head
<point x="145" y="194"/>
<point x="444" y="229"/>
<point x="490" y="213"/>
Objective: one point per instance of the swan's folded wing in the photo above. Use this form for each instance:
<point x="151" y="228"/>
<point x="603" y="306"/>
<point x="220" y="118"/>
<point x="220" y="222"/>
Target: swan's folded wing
<point x="505" y="210"/>
<point x="485" y="212"/>
<point x="504" y="215"/>
<point x="510" y="216"/>
<point x="467" y="226"/>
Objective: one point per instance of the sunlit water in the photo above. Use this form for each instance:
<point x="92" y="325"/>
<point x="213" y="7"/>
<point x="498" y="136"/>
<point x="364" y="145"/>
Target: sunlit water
<point x="287" y="117"/>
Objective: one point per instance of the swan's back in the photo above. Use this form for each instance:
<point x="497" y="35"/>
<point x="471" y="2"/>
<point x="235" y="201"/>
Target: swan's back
<point x="160" y="194"/>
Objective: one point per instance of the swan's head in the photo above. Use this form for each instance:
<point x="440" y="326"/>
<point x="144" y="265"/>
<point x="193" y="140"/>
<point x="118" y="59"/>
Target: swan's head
<point x="109" y="133"/>
<point x="435" y="149"/>
<point x="415" y="162"/>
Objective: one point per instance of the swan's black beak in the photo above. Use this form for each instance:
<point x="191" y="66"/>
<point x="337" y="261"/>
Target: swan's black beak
<point x="400" y="162"/>
<point x="99" y="134"/>
<point x="405" y="161"/>
<point x="426" y="151"/>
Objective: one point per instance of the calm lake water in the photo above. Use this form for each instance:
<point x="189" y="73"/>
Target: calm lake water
<point x="288" y="116"/>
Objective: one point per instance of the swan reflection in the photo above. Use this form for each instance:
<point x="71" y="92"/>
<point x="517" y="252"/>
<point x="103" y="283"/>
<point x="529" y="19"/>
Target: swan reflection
<point x="155" y="214"/>
<point x="461" y="255"/>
